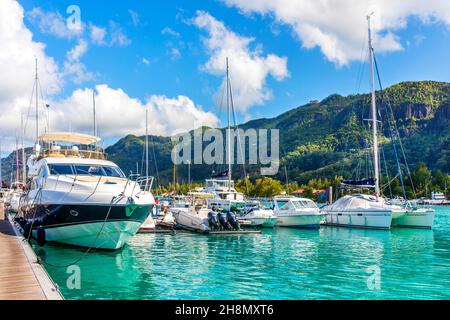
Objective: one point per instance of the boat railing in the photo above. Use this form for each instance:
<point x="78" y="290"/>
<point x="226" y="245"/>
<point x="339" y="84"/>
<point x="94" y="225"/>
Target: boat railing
<point x="144" y="182"/>
<point x="70" y="153"/>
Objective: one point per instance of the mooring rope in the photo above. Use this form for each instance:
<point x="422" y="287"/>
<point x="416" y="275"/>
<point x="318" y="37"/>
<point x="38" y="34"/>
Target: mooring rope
<point x="81" y="257"/>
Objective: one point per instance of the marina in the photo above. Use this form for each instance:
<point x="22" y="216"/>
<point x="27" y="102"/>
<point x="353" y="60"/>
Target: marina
<point x="280" y="263"/>
<point x="21" y="276"/>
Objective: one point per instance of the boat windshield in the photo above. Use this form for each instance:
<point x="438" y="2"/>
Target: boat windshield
<point x="302" y="204"/>
<point x="82" y="169"/>
<point x="295" y="204"/>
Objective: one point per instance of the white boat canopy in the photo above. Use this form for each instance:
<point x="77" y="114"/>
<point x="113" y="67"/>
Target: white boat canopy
<point x="80" y="138"/>
<point x="356" y="201"/>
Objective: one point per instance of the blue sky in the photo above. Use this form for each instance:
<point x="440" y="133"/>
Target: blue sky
<point x="164" y="52"/>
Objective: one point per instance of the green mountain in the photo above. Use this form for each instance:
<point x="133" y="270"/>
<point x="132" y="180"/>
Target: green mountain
<point x="328" y="138"/>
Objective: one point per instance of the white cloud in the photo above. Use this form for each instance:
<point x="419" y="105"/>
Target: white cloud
<point x="175" y="53"/>
<point x="419" y="39"/>
<point x="339" y="27"/>
<point x="118" y="36"/>
<point x="134" y="17"/>
<point x="170" y="31"/>
<point x="73" y="67"/>
<point x="97" y="34"/>
<point x="78" y="51"/>
<point x="166" y="115"/>
<point x="17" y="65"/>
<point x="249" y="68"/>
<point x="118" y="113"/>
<point x="53" y="23"/>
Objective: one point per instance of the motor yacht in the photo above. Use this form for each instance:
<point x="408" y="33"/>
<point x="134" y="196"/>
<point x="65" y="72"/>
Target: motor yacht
<point x="297" y="212"/>
<point x="79" y="198"/>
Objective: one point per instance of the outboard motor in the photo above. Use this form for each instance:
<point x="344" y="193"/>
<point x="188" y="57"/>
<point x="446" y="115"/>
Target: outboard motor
<point x="223" y="221"/>
<point x="214" y="224"/>
<point x="232" y="220"/>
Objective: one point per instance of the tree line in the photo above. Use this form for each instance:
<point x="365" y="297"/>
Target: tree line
<point x="420" y="183"/>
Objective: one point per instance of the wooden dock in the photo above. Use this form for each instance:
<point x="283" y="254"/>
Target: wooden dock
<point x="21" y="277"/>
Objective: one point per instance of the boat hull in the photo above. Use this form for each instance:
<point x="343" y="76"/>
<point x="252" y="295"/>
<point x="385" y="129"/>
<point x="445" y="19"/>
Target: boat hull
<point x="307" y="221"/>
<point x="420" y="218"/>
<point x="185" y="219"/>
<point x="111" y="235"/>
<point x="377" y="219"/>
<point x="270" y="222"/>
<point x="253" y="222"/>
<point x="93" y="226"/>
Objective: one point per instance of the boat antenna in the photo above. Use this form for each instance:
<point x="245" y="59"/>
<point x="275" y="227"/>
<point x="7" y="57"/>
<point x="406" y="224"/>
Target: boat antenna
<point x="95" y="118"/>
<point x="146" y="142"/>
<point x="374" y="115"/>
<point x="17" y="161"/>
<point x="24" y="168"/>
<point x="1" y="176"/>
<point x="47" y="106"/>
<point x="228" y="129"/>
<point x="93" y="110"/>
<point x="287" y="179"/>
<point x="37" y="101"/>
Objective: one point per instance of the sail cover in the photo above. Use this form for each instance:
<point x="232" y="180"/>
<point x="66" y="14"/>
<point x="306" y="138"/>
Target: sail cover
<point x="223" y="174"/>
<point x="361" y="183"/>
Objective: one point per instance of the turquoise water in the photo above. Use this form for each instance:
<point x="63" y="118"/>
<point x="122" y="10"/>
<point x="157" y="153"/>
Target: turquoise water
<point x="329" y="263"/>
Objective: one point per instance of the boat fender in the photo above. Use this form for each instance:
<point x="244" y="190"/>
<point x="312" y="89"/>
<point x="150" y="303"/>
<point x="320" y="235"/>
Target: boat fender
<point x="27" y="230"/>
<point x="40" y="236"/>
<point x="22" y="223"/>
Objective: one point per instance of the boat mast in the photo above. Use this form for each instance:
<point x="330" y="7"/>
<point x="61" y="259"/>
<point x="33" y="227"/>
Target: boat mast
<point x="17" y="162"/>
<point x="1" y="176"/>
<point x="1" y="173"/>
<point x="228" y="131"/>
<point x="146" y="142"/>
<point x="37" y="103"/>
<point x="24" y="169"/>
<point x="374" y="115"/>
<point x="95" y="117"/>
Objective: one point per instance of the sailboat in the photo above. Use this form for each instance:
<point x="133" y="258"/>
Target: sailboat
<point x="226" y="197"/>
<point x="362" y="210"/>
<point x="149" y="223"/>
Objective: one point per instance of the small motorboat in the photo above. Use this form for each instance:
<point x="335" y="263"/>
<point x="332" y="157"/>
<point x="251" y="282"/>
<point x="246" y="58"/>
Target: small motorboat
<point x="297" y="213"/>
<point x="148" y="225"/>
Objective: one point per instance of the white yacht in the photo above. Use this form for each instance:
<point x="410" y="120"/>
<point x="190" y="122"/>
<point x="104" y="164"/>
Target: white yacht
<point x="437" y="198"/>
<point x="79" y="198"/>
<point x="224" y="195"/>
<point x="191" y="213"/>
<point x="359" y="210"/>
<point x="13" y="197"/>
<point x="297" y="212"/>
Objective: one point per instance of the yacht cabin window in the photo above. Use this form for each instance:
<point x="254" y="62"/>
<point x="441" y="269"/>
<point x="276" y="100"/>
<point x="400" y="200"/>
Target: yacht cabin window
<point x="295" y="204"/>
<point x="92" y="170"/>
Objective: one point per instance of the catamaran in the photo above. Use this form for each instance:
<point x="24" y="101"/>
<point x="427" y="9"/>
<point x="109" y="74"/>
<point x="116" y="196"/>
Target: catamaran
<point x="367" y="211"/>
<point x="256" y="215"/>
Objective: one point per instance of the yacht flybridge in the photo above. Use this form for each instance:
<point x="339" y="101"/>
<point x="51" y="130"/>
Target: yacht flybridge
<point x="79" y="198"/>
<point x="225" y="196"/>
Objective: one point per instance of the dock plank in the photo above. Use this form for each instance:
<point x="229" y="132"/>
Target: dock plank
<point x="20" y="278"/>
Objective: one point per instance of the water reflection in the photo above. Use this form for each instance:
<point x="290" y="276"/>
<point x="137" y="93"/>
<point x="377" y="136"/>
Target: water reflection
<point x="276" y="264"/>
